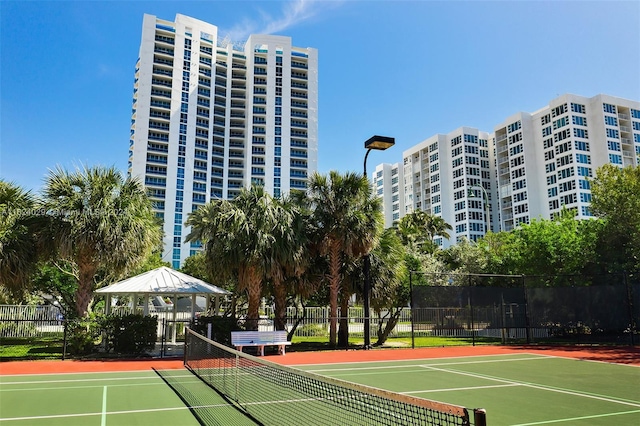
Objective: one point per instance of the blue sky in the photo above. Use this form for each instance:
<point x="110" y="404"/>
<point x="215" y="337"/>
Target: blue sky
<point x="407" y="69"/>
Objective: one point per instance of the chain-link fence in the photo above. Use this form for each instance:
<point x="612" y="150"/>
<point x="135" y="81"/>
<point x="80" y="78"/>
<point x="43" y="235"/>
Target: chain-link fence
<point x="576" y="308"/>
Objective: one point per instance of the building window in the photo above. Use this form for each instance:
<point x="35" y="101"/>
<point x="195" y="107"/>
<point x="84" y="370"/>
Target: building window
<point x="583" y="158"/>
<point x="581" y="133"/>
<point x="615" y="159"/>
<point x="582" y="146"/>
<point x="461" y="228"/>
<point x="579" y="121"/>
<point x="577" y="108"/>
<point x="585" y="197"/>
<point x="584" y="171"/>
<point x="514" y="126"/>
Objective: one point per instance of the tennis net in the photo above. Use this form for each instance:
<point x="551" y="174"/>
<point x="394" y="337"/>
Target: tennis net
<point x="273" y="394"/>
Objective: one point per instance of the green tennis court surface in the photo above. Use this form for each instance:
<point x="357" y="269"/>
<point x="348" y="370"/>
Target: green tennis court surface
<point x="518" y="389"/>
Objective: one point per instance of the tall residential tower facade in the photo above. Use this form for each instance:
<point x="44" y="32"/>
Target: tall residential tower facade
<point x="532" y="166"/>
<point x="440" y="174"/>
<point x="210" y="117"/>
<point x="545" y="159"/>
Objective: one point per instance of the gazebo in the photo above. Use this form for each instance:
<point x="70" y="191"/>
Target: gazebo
<point x="167" y="283"/>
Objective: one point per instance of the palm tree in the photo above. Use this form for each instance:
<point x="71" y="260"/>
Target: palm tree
<point x="436" y="225"/>
<point x="388" y="273"/>
<point x="101" y="222"/>
<point x="418" y="229"/>
<point x="18" y="252"/>
<point x="348" y="219"/>
<point x="290" y="256"/>
<point x="246" y="238"/>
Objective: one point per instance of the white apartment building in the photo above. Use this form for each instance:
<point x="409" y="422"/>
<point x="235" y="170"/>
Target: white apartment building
<point x="388" y="184"/>
<point x="544" y="159"/>
<point x="532" y="166"/>
<point x="211" y="117"/>
<point x="440" y="175"/>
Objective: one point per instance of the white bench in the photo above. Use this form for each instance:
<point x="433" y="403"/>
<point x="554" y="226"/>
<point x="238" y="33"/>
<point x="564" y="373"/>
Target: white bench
<point x="240" y="339"/>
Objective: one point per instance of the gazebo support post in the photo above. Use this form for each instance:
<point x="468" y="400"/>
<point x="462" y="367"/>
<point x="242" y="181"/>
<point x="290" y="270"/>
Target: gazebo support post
<point x="145" y="309"/>
<point x="193" y="306"/>
<point x="174" y="329"/>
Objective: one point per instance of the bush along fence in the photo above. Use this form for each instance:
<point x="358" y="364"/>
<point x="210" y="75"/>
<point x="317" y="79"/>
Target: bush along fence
<point x="132" y="334"/>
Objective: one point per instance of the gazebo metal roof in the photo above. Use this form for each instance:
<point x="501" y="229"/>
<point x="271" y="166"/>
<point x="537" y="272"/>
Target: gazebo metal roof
<point x="163" y="280"/>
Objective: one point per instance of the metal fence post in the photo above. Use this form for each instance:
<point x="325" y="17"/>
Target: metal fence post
<point x="632" y="322"/>
<point x="413" y="342"/>
<point x="527" y="323"/>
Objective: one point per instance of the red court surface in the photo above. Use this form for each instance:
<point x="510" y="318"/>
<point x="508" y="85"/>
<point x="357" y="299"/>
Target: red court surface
<point x="621" y="355"/>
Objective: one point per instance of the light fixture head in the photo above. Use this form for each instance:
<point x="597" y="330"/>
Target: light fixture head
<point x="379" y="142"/>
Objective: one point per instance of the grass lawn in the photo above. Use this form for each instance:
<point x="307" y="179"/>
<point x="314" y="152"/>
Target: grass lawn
<point x="12" y="348"/>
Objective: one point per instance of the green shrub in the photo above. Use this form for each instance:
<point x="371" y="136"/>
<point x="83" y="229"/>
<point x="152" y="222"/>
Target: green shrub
<point x="221" y="327"/>
<point x="130" y="334"/>
<point x="82" y="335"/>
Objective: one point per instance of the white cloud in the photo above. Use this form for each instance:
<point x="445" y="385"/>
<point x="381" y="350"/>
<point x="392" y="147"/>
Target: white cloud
<point x="293" y="13"/>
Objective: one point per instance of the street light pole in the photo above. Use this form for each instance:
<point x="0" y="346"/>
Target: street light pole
<point x="379" y="143"/>
<point x="485" y="197"/>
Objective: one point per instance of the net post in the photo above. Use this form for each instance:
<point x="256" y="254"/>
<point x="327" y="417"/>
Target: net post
<point x="480" y="417"/>
<point x="186" y="345"/>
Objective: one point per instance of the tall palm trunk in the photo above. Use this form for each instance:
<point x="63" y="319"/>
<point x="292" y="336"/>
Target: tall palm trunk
<point x="343" y="331"/>
<point x="84" y="294"/>
<point x="334" y="290"/>
<point x="280" y="296"/>
<point x="254" y="292"/>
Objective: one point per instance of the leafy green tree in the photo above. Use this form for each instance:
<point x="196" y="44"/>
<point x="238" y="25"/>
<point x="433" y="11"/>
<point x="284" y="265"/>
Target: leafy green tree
<point x="348" y="218"/>
<point x="101" y="224"/>
<point x="196" y="266"/>
<point x="52" y="278"/>
<point x="615" y="198"/>
<point x="552" y="250"/>
<point x="18" y="242"/>
<point x="151" y="262"/>
<point x="463" y="258"/>
<point x="502" y="252"/>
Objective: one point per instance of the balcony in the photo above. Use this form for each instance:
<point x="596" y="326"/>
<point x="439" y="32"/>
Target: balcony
<point x="163" y="50"/>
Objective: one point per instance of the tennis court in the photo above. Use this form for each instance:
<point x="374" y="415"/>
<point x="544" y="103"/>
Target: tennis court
<point x="515" y="388"/>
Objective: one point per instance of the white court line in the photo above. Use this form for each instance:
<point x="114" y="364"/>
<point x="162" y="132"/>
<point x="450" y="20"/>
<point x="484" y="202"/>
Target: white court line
<point x="541" y="387"/>
<point x="77" y="373"/>
<point x="421" y="360"/>
<point x="422" y="364"/>
<point x="461" y="389"/>
<point x="151" y="410"/>
<point x="82" y="387"/>
<point x="571" y="419"/>
<point x="95" y="379"/>
<point x="104" y="407"/>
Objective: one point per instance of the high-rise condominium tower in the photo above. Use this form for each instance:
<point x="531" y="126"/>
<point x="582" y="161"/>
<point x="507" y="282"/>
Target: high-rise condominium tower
<point x="442" y="173"/>
<point x="545" y="158"/>
<point x="211" y="117"/>
<point x="531" y="167"/>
